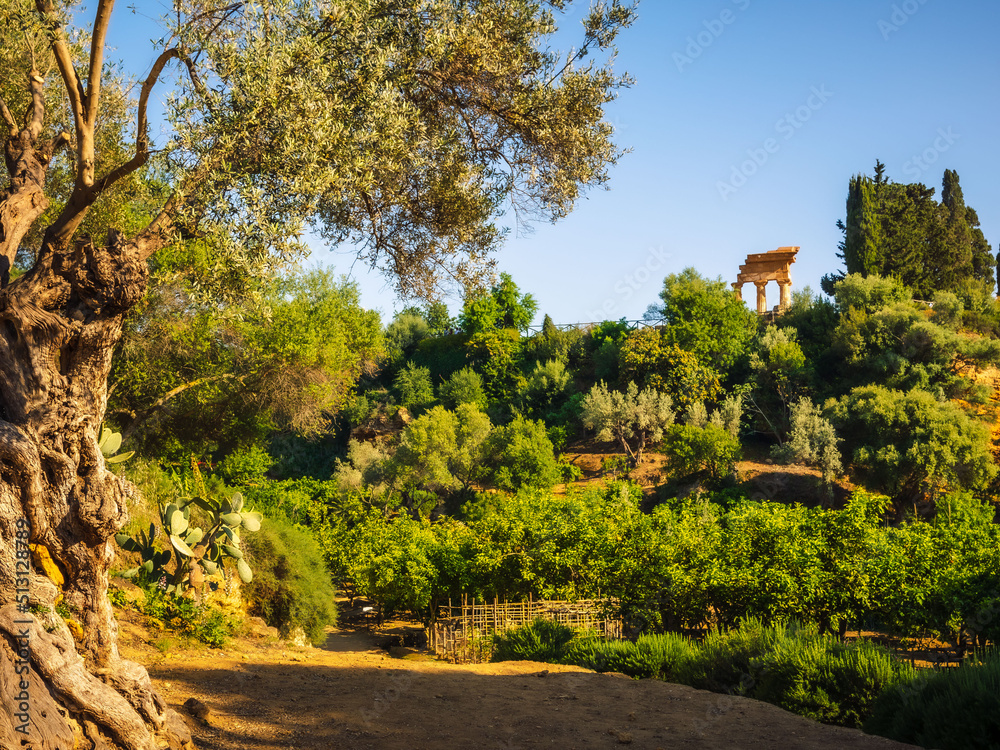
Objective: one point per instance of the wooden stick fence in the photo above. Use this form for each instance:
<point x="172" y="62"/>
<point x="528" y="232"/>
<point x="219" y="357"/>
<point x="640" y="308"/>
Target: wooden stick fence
<point x="463" y="630"/>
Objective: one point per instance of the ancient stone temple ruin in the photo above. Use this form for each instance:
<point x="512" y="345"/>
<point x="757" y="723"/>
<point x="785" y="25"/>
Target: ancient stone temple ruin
<point x="761" y="268"/>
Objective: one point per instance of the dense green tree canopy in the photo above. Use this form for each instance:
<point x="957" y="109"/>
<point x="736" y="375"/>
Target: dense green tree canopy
<point x="546" y="389"/>
<point x="209" y="376"/>
<point x="647" y="359"/>
<point x="704" y="316"/>
<point x="519" y="455"/>
<point x="441" y="449"/>
<point x="882" y="337"/>
<point x="904" y="443"/>
<point x="869" y="292"/>
<point x="503" y="306"/>
<point x="465" y="386"/>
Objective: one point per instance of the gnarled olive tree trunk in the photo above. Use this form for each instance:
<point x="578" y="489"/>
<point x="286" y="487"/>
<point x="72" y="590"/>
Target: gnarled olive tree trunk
<point x="59" y="324"/>
<point x="63" y="683"/>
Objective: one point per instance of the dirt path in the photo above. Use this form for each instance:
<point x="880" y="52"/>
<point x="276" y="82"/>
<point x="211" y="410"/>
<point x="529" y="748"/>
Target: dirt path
<point x="350" y="695"/>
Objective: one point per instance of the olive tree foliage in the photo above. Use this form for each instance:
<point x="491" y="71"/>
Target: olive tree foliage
<point x="367" y="472"/>
<point x="726" y="417"/>
<point x="631" y="418"/>
<point x="813" y="441"/>
<point x="706" y="444"/>
<point x="546" y="389"/>
<point x="403" y="127"/>
<point x="908" y="443"/>
<point x="440" y="450"/>
<point x="779" y="373"/>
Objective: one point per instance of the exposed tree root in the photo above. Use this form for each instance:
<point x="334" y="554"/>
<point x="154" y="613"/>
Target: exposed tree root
<point x="116" y="708"/>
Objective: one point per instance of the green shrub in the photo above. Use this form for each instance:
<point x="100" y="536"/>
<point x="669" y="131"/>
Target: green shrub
<point x="542" y="640"/>
<point x="442" y="355"/>
<point x="655" y="656"/>
<point x="207" y="624"/>
<point x="570" y="472"/>
<point x="358" y="408"/>
<point x="546" y="389"/>
<point x="291" y="586"/>
<point x="465" y="386"/>
<point x="413" y="387"/>
<point x="790" y="666"/>
<point x="904" y="443"/>
<point x="953" y="710"/>
<point x="519" y="455"/>
<point x="796" y="668"/>
<point x="722" y="662"/>
<point x="710" y="450"/>
<point x="615" y="466"/>
<point x="823" y="679"/>
<point x="405" y="332"/>
<point x="246" y="467"/>
<point x="547" y="641"/>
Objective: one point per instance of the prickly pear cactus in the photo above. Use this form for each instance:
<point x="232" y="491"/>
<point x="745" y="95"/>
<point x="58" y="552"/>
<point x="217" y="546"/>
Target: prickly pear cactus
<point x="153" y="560"/>
<point x="197" y="552"/>
<point x="109" y="443"/>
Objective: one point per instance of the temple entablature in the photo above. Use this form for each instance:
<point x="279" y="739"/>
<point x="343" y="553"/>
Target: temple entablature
<point x="761" y="268"/>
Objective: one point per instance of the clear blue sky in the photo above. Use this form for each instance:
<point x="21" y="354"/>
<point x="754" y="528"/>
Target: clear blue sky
<point x="816" y="91"/>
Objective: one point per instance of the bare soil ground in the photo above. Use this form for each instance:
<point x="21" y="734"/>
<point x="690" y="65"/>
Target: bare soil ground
<point x="351" y="694"/>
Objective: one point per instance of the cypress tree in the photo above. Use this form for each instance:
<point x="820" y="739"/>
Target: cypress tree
<point x="900" y="230"/>
<point x="953" y="236"/>
<point x="862" y="242"/>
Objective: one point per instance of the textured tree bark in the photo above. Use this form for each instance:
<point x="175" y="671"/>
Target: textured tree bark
<point x="63" y="688"/>
<point x="59" y="324"/>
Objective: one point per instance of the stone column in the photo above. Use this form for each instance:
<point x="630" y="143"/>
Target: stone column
<point x="738" y="288"/>
<point x="761" y="297"/>
<point x="786" y="293"/>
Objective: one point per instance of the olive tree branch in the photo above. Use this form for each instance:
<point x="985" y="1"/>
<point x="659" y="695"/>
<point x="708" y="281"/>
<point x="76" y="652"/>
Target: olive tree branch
<point x="8" y="118"/>
<point x="141" y="155"/>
